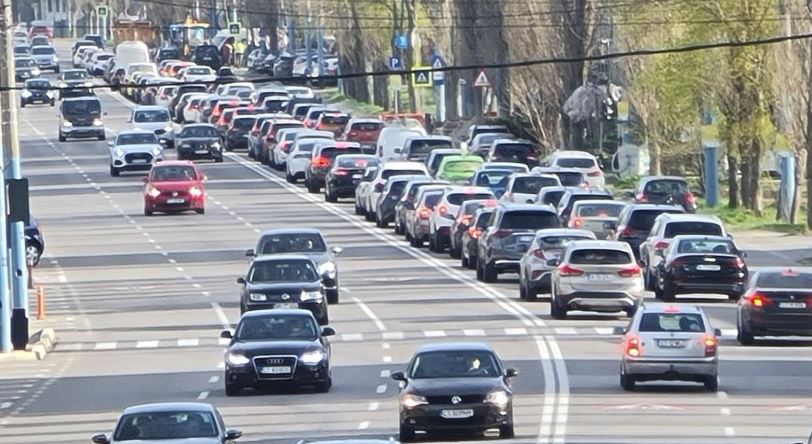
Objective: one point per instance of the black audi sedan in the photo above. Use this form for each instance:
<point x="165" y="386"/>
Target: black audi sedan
<point x="345" y="175"/>
<point x="701" y="264"/>
<point x="455" y="388"/>
<point x="199" y="141"/>
<point x="277" y="348"/>
<point x="284" y="281"/>
<point x="778" y="302"/>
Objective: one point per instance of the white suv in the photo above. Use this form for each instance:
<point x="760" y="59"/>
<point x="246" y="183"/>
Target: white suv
<point x="582" y="161"/>
<point x="443" y="216"/>
<point x="387" y="170"/>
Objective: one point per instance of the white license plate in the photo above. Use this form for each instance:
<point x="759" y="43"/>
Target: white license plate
<point x="457" y="413"/>
<point x="286" y="305"/>
<point x="525" y="238"/>
<point x="708" y="267"/>
<point x="175" y="201"/>
<point x="275" y="370"/>
<point x="140" y="160"/>
<point x="792" y="304"/>
<point x="357" y="176"/>
<point x="201" y="151"/>
<point x="600" y="277"/>
<point x="670" y="343"/>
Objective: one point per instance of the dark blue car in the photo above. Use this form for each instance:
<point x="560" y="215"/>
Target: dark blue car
<point x="34" y="242"/>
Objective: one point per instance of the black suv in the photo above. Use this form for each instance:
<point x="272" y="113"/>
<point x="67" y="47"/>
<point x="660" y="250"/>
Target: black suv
<point x="207" y="55"/>
<point x="635" y="222"/>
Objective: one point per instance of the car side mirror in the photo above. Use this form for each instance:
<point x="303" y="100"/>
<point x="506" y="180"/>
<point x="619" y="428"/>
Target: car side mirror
<point x="398" y="151"/>
<point x="110" y="143"/>
<point x="337" y="250"/>
<point x="129" y="120"/>
<point x="250" y="253"/>
<point x="232" y="434"/>
<point x="730" y="235"/>
<point x="328" y="331"/>
<point x="717" y="332"/>
<point x="100" y="439"/>
<point x="511" y="373"/>
<point x="241" y="280"/>
<point x="610" y="225"/>
<point x="619" y="331"/>
<point x="399" y="376"/>
<point x="628" y="195"/>
<point x="104" y="113"/>
<point x="552" y="262"/>
<point x="226" y="334"/>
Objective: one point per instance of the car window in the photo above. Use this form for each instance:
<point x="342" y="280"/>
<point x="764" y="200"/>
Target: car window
<point x="43" y="50"/>
<point x="459" y="198"/>
<point x="386" y="174"/>
<point x="517" y="151"/>
<point x="367" y="126"/>
<point x="575" y="162"/>
<point x="529" y="220"/>
<point x="437" y="159"/>
<point x="244" y="123"/>
<point x="282" y="271"/>
<point x="643" y="220"/>
<point x="74" y="75"/>
<point x="706" y="246"/>
<point x="483" y="221"/>
<point x="431" y="200"/>
<point x="785" y="279"/>
<point x="174" y="173"/>
<point x="532" y="184"/>
<point x="152" y="116"/>
<point x="425" y="146"/>
<point x="334" y="120"/>
<point x="559" y="241"/>
<point x="37" y="84"/>
<point x="600" y="256"/>
<point x="666" y="187"/>
<point x="24" y="63"/>
<point x="150" y="426"/>
<point x="599" y="210"/>
<point x="276" y="327"/>
<point x="396" y="187"/>
<point x="672" y="322"/>
<point x="570" y="178"/>
<point x="455" y="364"/>
<point x="292" y="243"/>
<point x="677" y="228"/>
<point x="552" y="197"/>
<point x="199" y="70"/>
<point x="199" y="131"/>
<point x="136" y="139"/>
<point x="332" y="153"/>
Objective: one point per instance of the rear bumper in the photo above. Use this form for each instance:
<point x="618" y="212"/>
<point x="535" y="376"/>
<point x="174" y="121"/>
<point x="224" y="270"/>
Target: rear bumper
<point x="760" y="322"/>
<point x="674" y="370"/>
<point x="600" y="301"/>
<point x="506" y="265"/>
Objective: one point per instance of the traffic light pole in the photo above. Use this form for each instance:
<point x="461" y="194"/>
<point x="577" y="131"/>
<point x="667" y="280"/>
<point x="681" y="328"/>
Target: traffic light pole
<point x="8" y="109"/>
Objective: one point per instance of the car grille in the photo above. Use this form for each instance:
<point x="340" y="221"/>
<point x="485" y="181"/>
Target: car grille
<point x="277" y="296"/>
<point x="275" y="361"/>
<point x="182" y="194"/>
<point x="160" y="131"/>
<point x="446" y="400"/>
<point x="132" y="157"/>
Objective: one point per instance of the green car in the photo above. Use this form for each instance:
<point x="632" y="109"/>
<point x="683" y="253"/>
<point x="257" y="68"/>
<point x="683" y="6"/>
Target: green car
<point x="459" y="169"/>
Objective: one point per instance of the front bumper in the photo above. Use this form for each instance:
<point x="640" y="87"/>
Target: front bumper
<point x="82" y="131"/>
<point x="162" y="203"/>
<point x="430" y="417"/>
<point x="200" y="153"/>
<point x="237" y="142"/>
<point x="136" y="161"/>
<point x="671" y="370"/>
<point x="37" y="98"/>
<point x="707" y="285"/>
<point x="248" y="376"/>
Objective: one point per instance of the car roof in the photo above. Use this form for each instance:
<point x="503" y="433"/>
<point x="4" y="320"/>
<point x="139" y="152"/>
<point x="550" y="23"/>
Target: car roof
<point x="434" y="152"/>
<point x="575" y="191"/>
<point x="277" y="311"/>
<point x="365" y="120"/>
<point x="454" y="346"/>
<point x="198" y="125"/>
<point x="149" y="108"/>
<point x="527" y="207"/>
<point x="685" y="217"/>
<point x="572" y="153"/>
<point x="291" y="231"/>
<point x="601" y="245"/>
<point x="655" y="178"/>
<point x="511" y="141"/>
<point x="648" y="206"/>
<point x="682" y="237"/>
<point x="403" y="165"/>
<point x="168" y="407"/>
<point x="281" y="257"/>
<point x="553" y="189"/>
<point x="660" y="307"/>
<point x="564" y="232"/>
<point x="601" y="202"/>
<point x="135" y="131"/>
<point x="174" y="163"/>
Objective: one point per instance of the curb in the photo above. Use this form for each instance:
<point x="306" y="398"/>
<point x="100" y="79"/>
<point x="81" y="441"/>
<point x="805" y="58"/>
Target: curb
<point x="41" y="343"/>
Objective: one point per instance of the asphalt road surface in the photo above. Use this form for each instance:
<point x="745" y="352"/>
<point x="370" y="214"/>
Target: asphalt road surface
<point x="138" y="303"/>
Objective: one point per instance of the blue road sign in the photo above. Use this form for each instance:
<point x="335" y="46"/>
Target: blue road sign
<point x="395" y="63"/>
<point x="401" y="42"/>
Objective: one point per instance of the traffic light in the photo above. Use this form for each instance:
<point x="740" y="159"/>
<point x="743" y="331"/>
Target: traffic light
<point x="101" y="11"/>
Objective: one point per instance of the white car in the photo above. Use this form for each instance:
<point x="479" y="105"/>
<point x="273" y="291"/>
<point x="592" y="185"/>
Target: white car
<point x="597" y="216"/>
<point x="301" y="92"/>
<point x="581" y="161"/>
<point x="170" y="423"/>
<point x="524" y="187"/>
<point x="98" y="62"/>
<point x="386" y="171"/>
<point x="80" y="53"/>
<point x="513" y="166"/>
<point x="134" y="150"/>
<point x="534" y="267"/>
<point x="302" y="68"/>
<point x="284" y="142"/>
<point x="156" y="119"/>
<point x="166" y="93"/>
<point x="232" y="89"/>
<point x="198" y="74"/>
<point x="392" y="138"/>
<point x="447" y="210"/>
<point x="299" y="158"/>
<point x="600" y="276"/>
<point x="667" y="342"/>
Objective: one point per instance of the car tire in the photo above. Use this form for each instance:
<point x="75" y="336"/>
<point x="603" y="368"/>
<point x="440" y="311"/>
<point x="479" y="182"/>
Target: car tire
<point x="53" y="103"/>
<point x="324" y="386"/>
<point x="711" y="383"/>
<point x="464" y="261"/>
<point x="329" y="197"/>
<point x="479" y="273"/>
<point x="332" y="296"/>
<point x="61" y="138"/>
<point x="102" y="138"/>
<point x="455" y="252"/>
<point x="369" y="216"/>
<point x="556" y="310"/>
<point x="115" y="172"/>
<point x="627" y="382"/>
<point x="232" y="389"/>
<point x="648" y="280"/>
<point x="311" y="188"/>
<point x="522" y="290"/>
<point x="33" y="250"/>
<point x="506" y="431"/>
<point x="218" y="160"/>
<point x="357" y="209"/>
<point x="531" y="294"/>
<point x="22" y="104"/>
<point x="148" y="212"/>
<point x="415" y="242"/>
<point x="405" y="434"/>
<point x="290" y="178"/>
<point x="744" y="335"/>
<point x="432" y="243"/>
<point x="382" y="223"/>
<point x="200" y="210"/>
<point x="472" y="261"/>
<point x="489" y="273"/>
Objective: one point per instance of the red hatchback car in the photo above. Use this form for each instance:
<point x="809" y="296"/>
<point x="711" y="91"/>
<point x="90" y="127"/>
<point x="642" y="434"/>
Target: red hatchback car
<point x="173" y="187"/>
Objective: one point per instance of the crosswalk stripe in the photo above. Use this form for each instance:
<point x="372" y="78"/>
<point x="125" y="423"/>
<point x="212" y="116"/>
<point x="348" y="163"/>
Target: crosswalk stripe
<point x="516" y="331"/>
<point x="474" y="332"/>
<point x="389" y="335"/>
<point x="352" y="337"/>
<point x="146" y="344"/>
<point x="565" y="331"/>
<point x="105" y="346"/>
<point x="434" y="333"/>
<point x="188" y="342"/>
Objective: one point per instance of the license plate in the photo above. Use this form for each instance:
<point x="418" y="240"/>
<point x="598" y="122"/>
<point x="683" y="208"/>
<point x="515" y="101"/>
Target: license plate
<point x="140" y="161"/>
<point x="275" y="370"/>
<point x="356" y="176"/>
<point x="457" y="413"/>
<point x="175" y="201"/>
<point x="201" y="151"/>
<point x="600" y="277"/>
<point x="670" y="343"/>
<point x="708" y="267"/>
<point x="525" y="238"/>
<point x="792" y="304"/>
<point x="286" y="305"/>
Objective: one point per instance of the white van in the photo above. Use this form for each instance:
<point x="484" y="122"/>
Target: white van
<point x="130" y="52"/>
<point x="392" y="138"/>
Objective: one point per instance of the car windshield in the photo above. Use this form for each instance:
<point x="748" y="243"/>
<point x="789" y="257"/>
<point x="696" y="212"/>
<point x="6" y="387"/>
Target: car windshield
<point x="206" y="51"/>
<point x="552" y="197"/>
<point x="305" y="146"/>
<point x="459" y="198"/>
<point x="292" y="243"/>
<point x="529" y="220"/>
<point x="425" y="146"/>
<point x="43" y="50"/>
<point x="174" y="173"/>
<point x="389" y="173"/>
<point x="533" y="184"/>
<point x="516" y="151"/>
<point x="151" y="116"/>
<point x="789" y="278"/>
<point x="74" y="75"/>
<point x="166" y="425"/>
<point x="396" y="187"/>
<point x="38" y="84"/>
<point x="489" y="178"/>
<point x="643" y="220"/>
<point x="559" y="241"/>
<point x="199" y="70"/>
<point x="575" y="162"/>
<point x="276" y="327"/>
<point x="24" y="63"/>
<point x="295" y="270"/>
<point x="332" y="153"/>
<point x="430" y="200"/>
<point x="359" y="162"/>
<point x="600" y="256"/>
<point x="672" y="323"/>
<point x="81" y="107"/>
<point x="367" y="126"/>
<point x="22" y="50"/>
<point x="666" y="187"/>
<point x="599" y="209"/>
<point x="136" y="139"/>
<point x="243" y="123"/>
<point x="455" y="364"/>
<point x="437" y="159"/>
<point x="570" y="178"/>
<point x="487" y="139"/>
<point x="703" y="246"/>
<point x="198" y="131"/>
<point x="334" y="120"/>
<point x="170" y="53"/>
<point x="707" y="228"/>
<point x="483" y="221"/>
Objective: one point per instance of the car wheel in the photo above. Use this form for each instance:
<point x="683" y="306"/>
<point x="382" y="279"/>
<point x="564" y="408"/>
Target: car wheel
<point x="312" y="188"/>
<point x="200" y="210"/>
<point x="324" y="320"/>
<point x="472" y="261"/>
<point x="115" y="172"/>
<point x="464" y="261"/>
<point x="329" y="197"/>
<point x="556" y="310"/>
<point x="648" y="280"/>
<point x="53" y="103"/>
<point x="630" y="311"/>
<point x="32" y="254"/>
<point x="218" y="160"/>
<point x="416" y="243"/>
<point x="62" y="138"/>
<point x="324" y="386"/>
<point x="455" y="252"/>
<point x="627" y="382"/>
<point x="22" y="104"/>
<point x="489" y="273"/>
<point x="432" y="243"/>
<point x="383" y="223"/>
<point x="148" y="212"/>
<point x="506" y="431"/>
<point x="290" y="178"/>
<point x="231" y="388"/>
<point x="357" y="209"/>
<point x="102" y="138"/>
<point x="744" y="335"/>
<point x="711" y="383"/>
<point x="332" y="296"/>
<point x="405" y="434"/>
<point x="479" y="273"/>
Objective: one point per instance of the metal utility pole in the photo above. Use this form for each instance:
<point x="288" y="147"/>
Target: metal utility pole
<point x="309" y="37"/>
<point x="320" y="43"/>
<point x="10" y="148"/>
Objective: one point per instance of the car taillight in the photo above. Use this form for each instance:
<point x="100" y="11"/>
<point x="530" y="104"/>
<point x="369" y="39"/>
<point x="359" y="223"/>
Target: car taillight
<point x="597" y="173"/>
<point x="576" y="222"/>
<point x="423" y="213"/>
<point x="474" y="232"/>
<point x="308" y="123"/>
<point x="539" y="253"/>
<point x="509" y="196"/>
<point x="443" y="210"/>
<point x="320" y="162"/>
<point x="758" y="300"/>
<point x="630" y="272"/>
<point x="739" y="263"/>
<point x="341" y="173"/>
<point x="465" y="219"/>
<point x="633" y="346"/>
<point x="283" y="145"/>
<point x="568" y="270"/>
<point x="690" y="198"/>
<point x="352" y="134"/>
<point x="628" y="231"/>
<point x="379" y="186"/>
<point x="642" y="197"/>
<point x="498" y="234"/>
<point x="711" y="344"/>
<point x="661" y="245"/>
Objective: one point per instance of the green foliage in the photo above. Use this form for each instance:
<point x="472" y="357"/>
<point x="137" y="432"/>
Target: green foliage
<point x="743" y="219"/>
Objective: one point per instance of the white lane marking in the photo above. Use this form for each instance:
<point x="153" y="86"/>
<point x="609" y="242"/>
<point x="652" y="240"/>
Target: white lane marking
<point x="565" y="331"/>
<point x="474" y="332"/>
<point x="434" y="333"/>
<point x="381" y="389"/>
<point x="386" y="373"/>
<point x="188" y="342"/>
<point x="351" y="337"/>
<point x="563" y="393"/>
<point x="224" y="341"/>
<point x="730" y="432"/>
<point x="5" y="405"/>
<point x="516" y="331"/>
<point x="221" y="315"/>
<point x="172" y="261"/>
<point x="604" y="330"/>
<point x="257" y="230"/>
<point x="203" y="395"/>
<point x="387" y="359"/>
<point x="392" y="335"/>
<point x="62" y="278"/>
<point x="221" y="365"/>
<point x="725" y="412"/>
<point x="386" y="346"/>
<point x="105" y="346"/>
<point x="374" y="406"/>
<point x="180" y="269"/>
<point x="146" y="344"/>
<point x="729" y="332"/>
<point x="546" y="420"/>
<point x="370" y="314"/>
<point x="721" y="395"/>
<point x="363" y="425"/>
<point x="214" y="379"/>
<point x="196" y="285"/>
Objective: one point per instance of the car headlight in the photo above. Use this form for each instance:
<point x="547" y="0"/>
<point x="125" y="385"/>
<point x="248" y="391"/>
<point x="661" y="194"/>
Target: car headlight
<point x="498" y="398"/>
<point x="25" y="94"/>
<point x="185" y="145"/>
<point x="50" y="94"/>
<point x="412" y="401"/>
<point x="257" y="297"/>
<point x="119" y="152"/>
<point x="67" y="124"/>
<point x="168" y="128"/>
<point x="328" y="268"/>
<point x="154" y="192"/>
<point x="88" y="84"/>
<point x="63" y="85"/>
<point x="195" y="191"/>
<point x="237" y="360"/>
<point x="156" y="152"/>
<point x="35" y="71"/>
<point x="216" y="145"/>
<point x="310" y="295"/>
<point x="312" y="357"/>
<point x="97" y="122"/>
<point x="55" y="59"/>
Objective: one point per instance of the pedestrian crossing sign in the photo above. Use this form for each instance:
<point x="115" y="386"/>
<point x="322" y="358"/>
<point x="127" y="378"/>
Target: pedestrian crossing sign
<point x="421" y="77"/>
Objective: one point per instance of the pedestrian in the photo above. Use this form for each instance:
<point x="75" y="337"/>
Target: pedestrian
<point x="239" y="52"/>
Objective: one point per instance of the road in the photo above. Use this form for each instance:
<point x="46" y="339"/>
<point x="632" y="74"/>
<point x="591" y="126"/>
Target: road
<point x="138" y="303"/>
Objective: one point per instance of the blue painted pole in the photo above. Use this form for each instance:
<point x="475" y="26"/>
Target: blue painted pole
<point x="18" y="259"/>
<point x="5" y="294"/>
<point x="711" y="153"/>
<point x="787" y="188"/>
